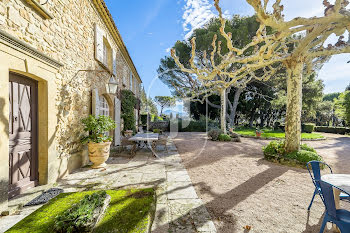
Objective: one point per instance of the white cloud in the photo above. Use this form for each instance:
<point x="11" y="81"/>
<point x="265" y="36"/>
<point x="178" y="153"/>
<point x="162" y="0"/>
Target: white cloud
<point x="196" y="14"/>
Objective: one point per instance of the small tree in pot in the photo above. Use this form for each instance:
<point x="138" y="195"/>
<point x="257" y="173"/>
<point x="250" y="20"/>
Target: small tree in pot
<point x="98" y="140"/>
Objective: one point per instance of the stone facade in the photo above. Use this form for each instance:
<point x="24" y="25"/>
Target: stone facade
<point x="67" y="73"/>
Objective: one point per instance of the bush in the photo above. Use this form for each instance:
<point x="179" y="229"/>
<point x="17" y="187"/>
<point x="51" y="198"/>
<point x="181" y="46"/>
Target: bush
<point x="307" y="148"/>
<point x="308" y="127"/>
<point x="330" y="129"/>
<point x="303" y="156"/>
<point x="80" y="216"/>
<point x="143" y="119"/>
<point x="128" y="103"/>
<point x="276" y="126"/>
<point x="275" y="152"/>
<point x="214" y="134"/>
<point x="156" y="131"/>
<point x="224" y="138"/>
<point x="201" y="125"/>
<point x="97" y="128"/>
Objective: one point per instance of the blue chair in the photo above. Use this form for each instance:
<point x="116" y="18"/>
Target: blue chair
<point x="339" y="217"/>
<point x="316" y="177"/>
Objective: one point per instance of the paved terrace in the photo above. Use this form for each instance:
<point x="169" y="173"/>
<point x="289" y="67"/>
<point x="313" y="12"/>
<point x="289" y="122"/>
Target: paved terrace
<point x="178" y="207"/>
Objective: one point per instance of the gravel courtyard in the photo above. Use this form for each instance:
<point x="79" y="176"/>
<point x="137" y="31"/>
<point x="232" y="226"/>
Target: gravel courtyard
<point x="245" y="193"/>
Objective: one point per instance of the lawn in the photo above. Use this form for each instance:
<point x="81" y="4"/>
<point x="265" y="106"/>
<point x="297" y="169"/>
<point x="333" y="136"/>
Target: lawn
<point x="128" y="211"/>
<point x="270" y="133"/>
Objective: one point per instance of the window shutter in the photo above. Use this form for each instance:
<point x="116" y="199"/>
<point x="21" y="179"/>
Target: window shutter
<point x="117" y="110"/>
<point x="95" y="103"/>
<point x="114" y="62"/>
<point x="99" y="34"/>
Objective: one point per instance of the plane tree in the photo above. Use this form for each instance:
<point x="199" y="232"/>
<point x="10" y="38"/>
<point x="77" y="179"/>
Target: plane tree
<point x="298" y="45"/>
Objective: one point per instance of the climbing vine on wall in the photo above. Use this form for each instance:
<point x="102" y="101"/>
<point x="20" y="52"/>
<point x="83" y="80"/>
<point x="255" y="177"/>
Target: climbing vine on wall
<point x="128" y="103"/>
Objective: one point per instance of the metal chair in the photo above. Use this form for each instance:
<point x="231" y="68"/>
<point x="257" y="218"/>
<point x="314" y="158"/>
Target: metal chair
<point x="316" y="177"/>
<point x="162" y="141"/>
<point x="125" y="143"/>
<point x="339" y="217"/>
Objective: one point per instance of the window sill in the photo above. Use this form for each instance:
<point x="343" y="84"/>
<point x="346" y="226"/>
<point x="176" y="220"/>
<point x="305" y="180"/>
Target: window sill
<point x="40" y="9"/>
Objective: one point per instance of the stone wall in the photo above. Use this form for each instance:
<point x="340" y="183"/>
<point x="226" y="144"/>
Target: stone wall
<point x="162" y="125"/>
<point x="68" y="38"/>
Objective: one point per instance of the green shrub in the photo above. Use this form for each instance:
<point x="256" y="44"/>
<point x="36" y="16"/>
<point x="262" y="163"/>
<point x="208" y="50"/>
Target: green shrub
<point x="143" y="119"/>
<point x="330" y="129"/>
<point x="128" y="103"/>
<point x="97" y="128"/>
<point x="214" y="134"/>
<point x="308" y="148"/>
<point x="308" y="127"/>
<point x="303" y="156"/>
<point x="274" y="149"/>
<point x="156" y="131"/>
<point x="80" y="216"/>
<point x="275" y="152"/>
<point x="224" y="138"/>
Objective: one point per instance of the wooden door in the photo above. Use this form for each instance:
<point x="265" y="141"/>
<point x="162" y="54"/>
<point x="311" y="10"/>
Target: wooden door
<point x="23" y="153"/>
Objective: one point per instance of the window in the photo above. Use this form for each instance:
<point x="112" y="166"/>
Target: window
<point x="107" y="54"/>
<point x="103" y="50"/>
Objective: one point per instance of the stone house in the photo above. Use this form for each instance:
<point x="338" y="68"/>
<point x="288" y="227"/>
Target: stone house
<point x="58" y="59"/>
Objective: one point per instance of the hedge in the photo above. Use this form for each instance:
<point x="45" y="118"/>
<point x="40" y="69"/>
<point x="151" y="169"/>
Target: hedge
<point x="308" y="127"/>
<point x="330" y="129"/>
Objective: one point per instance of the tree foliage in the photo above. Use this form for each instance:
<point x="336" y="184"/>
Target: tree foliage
<point x="128" y="103"/>
<point x="342" y="107"/>
<point x="147" y="104"/>
<point x="164" y="102"/>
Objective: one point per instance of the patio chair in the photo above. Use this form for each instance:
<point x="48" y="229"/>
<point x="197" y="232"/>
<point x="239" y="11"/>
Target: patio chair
<point x="125" y="142"/>
<point x="163" y="139"/>
<point x="316" y="177"/>
<point x="339" y="217"/>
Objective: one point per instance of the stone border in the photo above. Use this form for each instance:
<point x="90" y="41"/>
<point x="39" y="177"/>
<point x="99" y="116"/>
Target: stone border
<point x="272" y="138"/>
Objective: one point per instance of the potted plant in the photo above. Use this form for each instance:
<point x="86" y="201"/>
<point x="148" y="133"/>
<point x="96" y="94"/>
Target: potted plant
<point x="98" y="140"/>
<point x="128" y="133"/>
<point x="258" y="132"/>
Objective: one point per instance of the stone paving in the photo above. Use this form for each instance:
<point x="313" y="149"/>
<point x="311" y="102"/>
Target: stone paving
<point x="178" y="207"/>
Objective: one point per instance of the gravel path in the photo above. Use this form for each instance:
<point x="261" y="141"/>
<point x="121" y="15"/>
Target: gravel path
<point x="241" y="190"/>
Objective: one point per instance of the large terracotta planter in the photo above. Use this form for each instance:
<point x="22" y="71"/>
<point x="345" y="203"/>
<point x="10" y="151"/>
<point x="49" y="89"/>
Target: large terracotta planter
<point x="99" y="153"/>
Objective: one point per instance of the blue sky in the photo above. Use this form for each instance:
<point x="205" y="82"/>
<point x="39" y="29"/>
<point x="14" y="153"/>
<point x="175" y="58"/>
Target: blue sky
<point x="149" y="28"/>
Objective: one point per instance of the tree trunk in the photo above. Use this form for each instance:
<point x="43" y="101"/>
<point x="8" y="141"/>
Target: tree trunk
<point x="223" y="110"/>
<point x="294" y="104"/>
<point x="233" y="106"/>
<point x="252" y="116"/>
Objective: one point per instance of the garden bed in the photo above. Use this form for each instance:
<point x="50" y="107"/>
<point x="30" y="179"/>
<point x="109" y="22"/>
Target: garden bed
<point x="128" y="211"/>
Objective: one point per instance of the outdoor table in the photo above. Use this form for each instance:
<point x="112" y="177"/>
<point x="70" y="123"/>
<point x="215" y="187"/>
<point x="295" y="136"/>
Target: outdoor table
<point x="148" y="138"/>
<point x="341" y="181"/>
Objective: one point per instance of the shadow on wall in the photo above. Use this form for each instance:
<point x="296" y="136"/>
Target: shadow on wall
<point x="3" y="118"/>
<point x="3" y="127"/>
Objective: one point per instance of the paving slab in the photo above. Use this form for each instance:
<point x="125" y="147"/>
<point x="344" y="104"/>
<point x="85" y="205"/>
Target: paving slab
<point x="178" y="208"/>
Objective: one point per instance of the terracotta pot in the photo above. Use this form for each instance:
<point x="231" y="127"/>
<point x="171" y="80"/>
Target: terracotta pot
<point x="258" y="134"/>
<point x="128" y="133"/>
<point x="99" y="153"/>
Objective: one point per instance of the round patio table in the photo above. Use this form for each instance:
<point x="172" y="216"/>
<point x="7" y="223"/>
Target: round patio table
<point x="342" y="181"/>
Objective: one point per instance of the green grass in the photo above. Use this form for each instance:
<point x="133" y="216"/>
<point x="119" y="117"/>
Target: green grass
<point x="128" y="211"/>
<point x="269" y="133"/>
